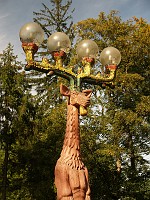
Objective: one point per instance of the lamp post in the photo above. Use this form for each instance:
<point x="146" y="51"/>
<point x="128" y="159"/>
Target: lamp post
<point x="71" y="177"/>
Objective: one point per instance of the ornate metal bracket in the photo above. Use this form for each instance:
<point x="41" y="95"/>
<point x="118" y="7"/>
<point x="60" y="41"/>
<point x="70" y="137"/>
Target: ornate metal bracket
<point x="83" y="76"/>
<point x="67" y="73"/>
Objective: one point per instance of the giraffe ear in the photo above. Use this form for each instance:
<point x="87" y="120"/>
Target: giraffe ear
<point x="64" y="90"/>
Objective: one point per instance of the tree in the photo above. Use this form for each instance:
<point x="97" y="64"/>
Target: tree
<point x="39" y="155"/>
<point x="126" y="119"/>
<point x="53" y="19"/>
<point x="56" y="19"/>
<point x="15" y="120"/>
<point x="114" y="137"/>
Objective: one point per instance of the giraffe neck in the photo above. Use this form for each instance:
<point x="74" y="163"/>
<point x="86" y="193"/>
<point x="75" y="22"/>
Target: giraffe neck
<point x="71" y="147"/>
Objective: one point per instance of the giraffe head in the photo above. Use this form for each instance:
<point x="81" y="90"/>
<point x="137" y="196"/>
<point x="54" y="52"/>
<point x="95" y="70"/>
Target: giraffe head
<point x="76" y="98"/>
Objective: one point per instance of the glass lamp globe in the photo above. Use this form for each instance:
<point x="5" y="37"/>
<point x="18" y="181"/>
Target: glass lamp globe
<point x="87" y="48"/>
<point x="110" y="56"/>
<point x="59" y="41"/>
<point x="31" y="33"/>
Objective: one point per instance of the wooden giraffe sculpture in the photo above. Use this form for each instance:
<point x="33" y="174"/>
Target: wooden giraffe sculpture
<point x="71" y="176"/>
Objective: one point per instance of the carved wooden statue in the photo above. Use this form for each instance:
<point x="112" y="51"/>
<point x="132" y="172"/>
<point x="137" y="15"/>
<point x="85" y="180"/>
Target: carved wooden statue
<point x="71" y="176"/>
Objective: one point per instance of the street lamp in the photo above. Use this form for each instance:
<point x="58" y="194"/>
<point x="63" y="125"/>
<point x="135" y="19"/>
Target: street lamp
<point x="71" y="176"/>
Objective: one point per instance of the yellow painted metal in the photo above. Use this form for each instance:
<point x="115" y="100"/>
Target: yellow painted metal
<point x="66" y="72"/>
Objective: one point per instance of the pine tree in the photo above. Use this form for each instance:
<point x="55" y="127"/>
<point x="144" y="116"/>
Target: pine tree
<point x="15" y="120"/>
<point x="55" y="18"/>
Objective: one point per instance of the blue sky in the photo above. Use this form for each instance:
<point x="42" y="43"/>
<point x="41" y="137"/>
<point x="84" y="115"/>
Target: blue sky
<point x="15" y="13"/>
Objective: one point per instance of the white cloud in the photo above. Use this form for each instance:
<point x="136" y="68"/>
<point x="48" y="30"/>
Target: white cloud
<point x="3" y="21"/>
<point x="4" y="16"/>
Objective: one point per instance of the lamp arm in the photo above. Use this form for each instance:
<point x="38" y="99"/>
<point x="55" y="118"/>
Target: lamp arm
<point x="99" y="78"/>
<point x="48" y="68"/>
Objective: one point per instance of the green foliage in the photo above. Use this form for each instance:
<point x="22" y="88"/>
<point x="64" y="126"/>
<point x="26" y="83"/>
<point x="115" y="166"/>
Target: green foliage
<point x="124" y="130"/>
<point x="37" y="158"/>
<point x="15" y="114"/>
<point x="114" y="136"/>
<point x="36" y="153"/>
<point x="55" y="18"/>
